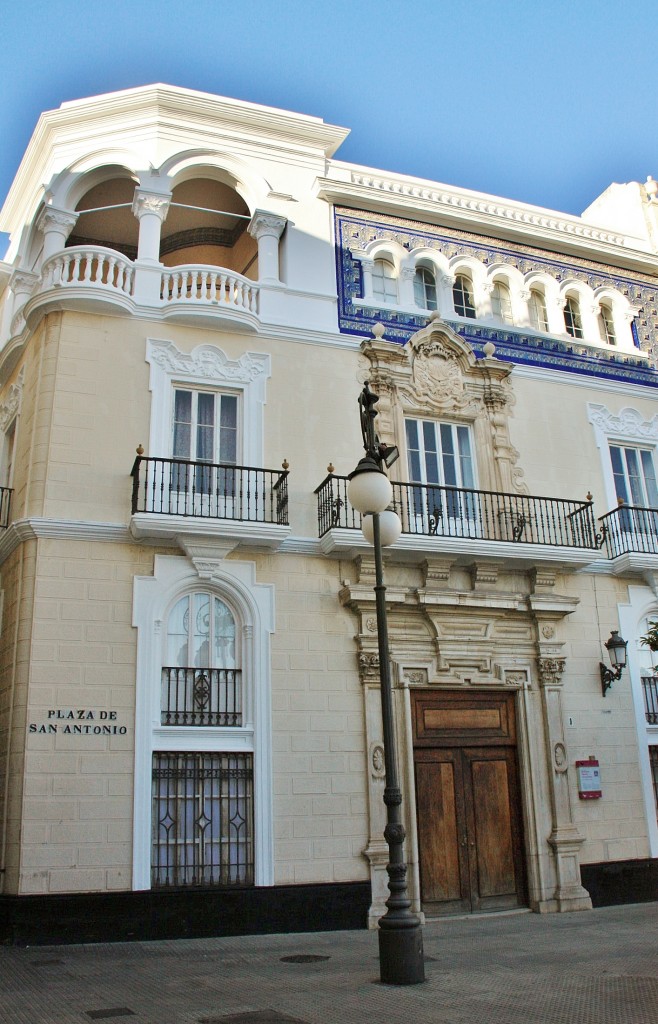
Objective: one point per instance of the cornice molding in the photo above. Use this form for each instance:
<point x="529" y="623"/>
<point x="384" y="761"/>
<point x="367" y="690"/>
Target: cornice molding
<point x="37" y="527"/>
<point x="133" y="118"/>
<point x="443" y="205"/>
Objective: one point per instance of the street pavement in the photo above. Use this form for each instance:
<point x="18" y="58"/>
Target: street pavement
<point x="596" y="967"/>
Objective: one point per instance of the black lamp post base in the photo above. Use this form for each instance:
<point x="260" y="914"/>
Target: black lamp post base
<point x="401" y="960"/>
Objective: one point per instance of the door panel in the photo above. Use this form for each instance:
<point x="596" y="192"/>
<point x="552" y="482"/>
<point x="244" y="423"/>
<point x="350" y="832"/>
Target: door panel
<point x="441" y="828"/>
<point x="494" y="879"/>
<point x="469" y="815"/>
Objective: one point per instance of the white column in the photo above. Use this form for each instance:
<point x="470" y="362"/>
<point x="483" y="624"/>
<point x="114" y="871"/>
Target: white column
<point x="267" y="229"/>
<point x="56" y="226"/>
<point x="446" y="299"/>
<point x="151" y="209"/>
<point x="367" y="267"/>
<point x="406" y="297"/>
<point x="622" y="321"/>
<point x="555" y="314"/>
<point x="590" y="318"/>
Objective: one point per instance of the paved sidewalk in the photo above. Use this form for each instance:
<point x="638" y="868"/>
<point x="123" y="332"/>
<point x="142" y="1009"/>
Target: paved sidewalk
<point x="599" y="967"/>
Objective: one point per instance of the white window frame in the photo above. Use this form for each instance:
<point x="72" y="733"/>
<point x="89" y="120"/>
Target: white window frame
<point x="207" y="367"/>
<point x="470" y="290"/>
<point x="393" y="298"/>
<point x="253" y="604"/>
<point x="421" y="286"/>
<point x="459" y="510"/>
<point x="501" y="302"/>
<point x="628" y="429"/>
<point x="220" y="393"/>
<point x="573" y="316"/>
<point x="538" y="317"/>
<point x="633" y="617"/>
<point x="607" y="326"/>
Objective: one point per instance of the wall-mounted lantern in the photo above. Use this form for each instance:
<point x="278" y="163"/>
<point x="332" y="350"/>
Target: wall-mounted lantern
<point x="616" y="647"/>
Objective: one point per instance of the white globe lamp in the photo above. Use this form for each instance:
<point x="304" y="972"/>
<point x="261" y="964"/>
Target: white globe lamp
<point x="390" y="527"/>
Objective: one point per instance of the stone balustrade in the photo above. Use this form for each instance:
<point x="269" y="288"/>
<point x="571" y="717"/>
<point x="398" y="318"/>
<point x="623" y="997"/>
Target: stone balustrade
<point x="89" y="265"/>
<point x="209" y="285"/>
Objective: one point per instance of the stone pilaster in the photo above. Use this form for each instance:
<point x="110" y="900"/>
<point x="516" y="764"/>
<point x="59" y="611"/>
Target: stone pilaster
<point x="565" y="839"/>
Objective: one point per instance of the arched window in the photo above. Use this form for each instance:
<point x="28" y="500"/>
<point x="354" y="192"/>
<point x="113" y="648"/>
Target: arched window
<point x="203" y="802"/>
<point x="201" y="678"/>
<point x="537" y="310"/>
<point x="384" y="283"/>
<point x="572" y="318"/>
<point x="462" y="294"/>
<point x="501" y="302"/>
<point x="425" y="289"/>
<point x="607" y="324"/>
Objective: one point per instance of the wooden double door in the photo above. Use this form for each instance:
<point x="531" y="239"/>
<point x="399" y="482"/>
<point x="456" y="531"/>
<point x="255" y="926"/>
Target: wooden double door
<point x="468" y="802"/>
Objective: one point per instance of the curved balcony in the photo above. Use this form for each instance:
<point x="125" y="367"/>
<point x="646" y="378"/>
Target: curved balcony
<point x="205" y="291"/>
<point x="97" y="279"/>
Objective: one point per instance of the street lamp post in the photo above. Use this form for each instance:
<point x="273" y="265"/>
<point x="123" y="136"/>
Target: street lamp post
<point x="400" y="934"/>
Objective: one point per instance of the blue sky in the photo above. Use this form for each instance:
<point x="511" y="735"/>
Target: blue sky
<point x="545" y="102"/>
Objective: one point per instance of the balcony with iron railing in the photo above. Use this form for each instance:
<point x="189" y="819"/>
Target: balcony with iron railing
<point x="463" y="520"/>
<point x="650" y="690"/>
<point x="201" y="697"/>
<point x="177" y="496"/>
<point x="630" y="530"/>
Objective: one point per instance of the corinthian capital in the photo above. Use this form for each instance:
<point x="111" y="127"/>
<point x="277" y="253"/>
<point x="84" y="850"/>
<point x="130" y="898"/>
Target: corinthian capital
<point x="150" y="202"/>
<point x="264" y="223"/>
<point x="550" y="671"/>
<point x="51" y="218"/>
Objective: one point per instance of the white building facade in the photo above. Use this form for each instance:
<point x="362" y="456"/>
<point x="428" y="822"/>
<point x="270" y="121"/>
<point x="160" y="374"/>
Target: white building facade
<point x="190" y="738"/>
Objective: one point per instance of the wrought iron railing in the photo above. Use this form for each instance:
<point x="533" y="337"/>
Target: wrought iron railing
<point x="203" y="819"/>
<point x="201" y="696"/>
<point x="650" y="688"/>
<point x="5" y="506"/>
<point x="178" y="487"/>
<point x="431" y="510"/>
<point x="630" y="528"/>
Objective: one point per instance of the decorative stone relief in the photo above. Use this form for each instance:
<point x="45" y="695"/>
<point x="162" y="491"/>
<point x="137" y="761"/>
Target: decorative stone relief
<point x="629" y="424"/>
<point x="376" y="758"/>
<point x="208" y="363"/>
<point x="416" y="676"/>
<point x="560" y="761"/>
<point x="10" y="408"/>
<point x="550" y="671"/>
<point x="368" y="666"/>
<point x="516" y="678"/>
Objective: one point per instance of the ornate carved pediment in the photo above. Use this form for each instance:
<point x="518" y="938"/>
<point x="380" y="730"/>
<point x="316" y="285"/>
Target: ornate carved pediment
<point x="437" y="375"/>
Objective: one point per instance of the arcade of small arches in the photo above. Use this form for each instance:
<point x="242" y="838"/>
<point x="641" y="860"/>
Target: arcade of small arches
<point x="193" y="215"/>
<point x="464" y="288"/>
